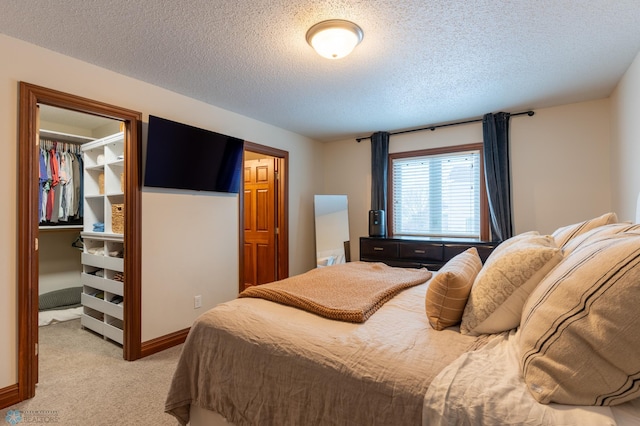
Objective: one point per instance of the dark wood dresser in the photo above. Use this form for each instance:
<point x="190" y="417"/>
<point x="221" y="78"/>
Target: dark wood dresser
<point x="418" y="253"/>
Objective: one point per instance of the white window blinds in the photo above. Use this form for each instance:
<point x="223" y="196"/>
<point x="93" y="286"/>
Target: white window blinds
<point x="437" y="195"/>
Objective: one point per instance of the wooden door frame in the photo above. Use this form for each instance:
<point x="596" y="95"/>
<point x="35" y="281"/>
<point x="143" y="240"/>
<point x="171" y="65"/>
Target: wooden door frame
<point x="30" y="96"/>
<point x="282" y="220"/>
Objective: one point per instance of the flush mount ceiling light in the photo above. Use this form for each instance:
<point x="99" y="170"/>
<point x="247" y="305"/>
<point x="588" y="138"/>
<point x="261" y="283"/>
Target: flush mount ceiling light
<point x="335" y="38"/>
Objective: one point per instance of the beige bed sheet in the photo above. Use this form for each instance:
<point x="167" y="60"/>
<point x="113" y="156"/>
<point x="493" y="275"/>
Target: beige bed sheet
<point x="261" y="363"/>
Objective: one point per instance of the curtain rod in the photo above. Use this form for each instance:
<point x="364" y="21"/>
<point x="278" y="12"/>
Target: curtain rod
<point x="432" y="128"/>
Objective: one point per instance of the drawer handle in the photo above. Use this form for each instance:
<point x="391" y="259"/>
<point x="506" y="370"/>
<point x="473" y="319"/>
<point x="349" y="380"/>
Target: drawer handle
<point x="378" y="249"/>
<point x="419" y="251"/>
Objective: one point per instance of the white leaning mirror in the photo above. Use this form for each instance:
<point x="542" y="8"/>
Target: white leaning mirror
<point x="332" y="229"/>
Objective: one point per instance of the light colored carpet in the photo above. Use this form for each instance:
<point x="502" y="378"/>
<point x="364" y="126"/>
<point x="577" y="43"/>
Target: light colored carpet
<point x="84" y="381"/>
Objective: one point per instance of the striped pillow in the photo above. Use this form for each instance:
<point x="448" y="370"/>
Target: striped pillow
<point x="566" y="233"/>
<point x="597" y="233"/>
<point x="580" y="329"/>
<point x="449" y="289"/>
<point x="502" y="287"/>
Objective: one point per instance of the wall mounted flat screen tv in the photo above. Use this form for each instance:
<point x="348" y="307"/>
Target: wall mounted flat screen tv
<point x="180" y="156"/>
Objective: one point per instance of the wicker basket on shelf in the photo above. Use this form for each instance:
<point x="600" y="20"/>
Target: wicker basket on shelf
<point x="117" y="218"/>
<point x="101" y="183"/>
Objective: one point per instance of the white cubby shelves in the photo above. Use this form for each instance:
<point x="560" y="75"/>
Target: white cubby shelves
<point x="102" y="258"/>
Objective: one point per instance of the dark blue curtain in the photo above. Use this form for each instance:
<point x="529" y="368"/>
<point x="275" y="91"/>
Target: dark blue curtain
<point x="495" y="130"/>
<point x="379" y="166"/>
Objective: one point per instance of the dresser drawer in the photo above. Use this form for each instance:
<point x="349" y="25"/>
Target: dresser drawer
<point x="414" y="253"/>
<point x="421" y="251"/>
<point x="378" y="249"/>
<point x="484" y="250"/>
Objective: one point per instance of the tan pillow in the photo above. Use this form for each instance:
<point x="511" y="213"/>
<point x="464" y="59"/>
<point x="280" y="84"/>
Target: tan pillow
<point x="596" y="234"/>
<point x="580" y="332"/>
<point x="503" y="285"/>
<point x="564" y="234"/>
<point x="449" y="289"/>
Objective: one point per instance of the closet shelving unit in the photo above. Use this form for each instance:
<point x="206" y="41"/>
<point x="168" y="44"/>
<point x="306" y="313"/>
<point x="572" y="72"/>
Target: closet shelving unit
<point x="102" y="259"/>
<point x="64" y="137"/>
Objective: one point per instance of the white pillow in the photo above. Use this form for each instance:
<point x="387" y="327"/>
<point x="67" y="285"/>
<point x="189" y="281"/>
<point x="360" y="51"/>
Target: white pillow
<point x="502" y="287"/>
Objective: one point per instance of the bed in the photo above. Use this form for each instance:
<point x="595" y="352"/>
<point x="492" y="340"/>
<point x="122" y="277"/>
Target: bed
<point x="543" y="333"/>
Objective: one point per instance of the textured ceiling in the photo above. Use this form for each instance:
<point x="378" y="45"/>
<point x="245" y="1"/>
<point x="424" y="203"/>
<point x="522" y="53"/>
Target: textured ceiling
<point x="421" y="62"/>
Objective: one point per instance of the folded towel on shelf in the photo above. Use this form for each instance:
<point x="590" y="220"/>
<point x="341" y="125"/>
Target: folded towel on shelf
<point x="98" y="227"/>
<point x="97" y="273"/>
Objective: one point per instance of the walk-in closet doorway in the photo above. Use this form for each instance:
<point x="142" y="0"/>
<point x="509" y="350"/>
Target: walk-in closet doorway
<point x="112" y="183"/>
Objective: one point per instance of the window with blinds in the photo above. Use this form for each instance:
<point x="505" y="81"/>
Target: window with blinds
<point x="437" y="195"/>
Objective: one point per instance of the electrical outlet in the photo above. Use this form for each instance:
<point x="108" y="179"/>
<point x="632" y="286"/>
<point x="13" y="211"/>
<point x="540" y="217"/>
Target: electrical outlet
<point x="197" y="302"/>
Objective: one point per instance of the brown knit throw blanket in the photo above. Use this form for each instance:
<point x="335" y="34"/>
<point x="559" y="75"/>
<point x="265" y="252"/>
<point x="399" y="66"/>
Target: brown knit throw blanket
<point x="348" y="292"/>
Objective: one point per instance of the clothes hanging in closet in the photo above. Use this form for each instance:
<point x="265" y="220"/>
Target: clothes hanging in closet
<point x="60" y="178"/>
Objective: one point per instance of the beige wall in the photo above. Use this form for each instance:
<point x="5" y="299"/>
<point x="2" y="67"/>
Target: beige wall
<point x="625" y="142"/>
<point x="560" y="162"/>
<point x="189" y="241"/>
<point x="559" y="158"/>
<point x="59" y="262"/>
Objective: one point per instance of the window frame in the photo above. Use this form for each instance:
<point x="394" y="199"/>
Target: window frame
<point x="484" y="202"/>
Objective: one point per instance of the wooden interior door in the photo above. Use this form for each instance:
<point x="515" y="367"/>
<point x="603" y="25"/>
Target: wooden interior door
<point x="260" y="214"/>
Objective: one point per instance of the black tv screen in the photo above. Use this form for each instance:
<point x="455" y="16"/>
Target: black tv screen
<point x="185" y="157"/>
